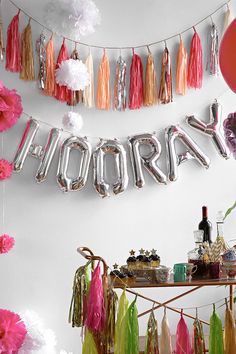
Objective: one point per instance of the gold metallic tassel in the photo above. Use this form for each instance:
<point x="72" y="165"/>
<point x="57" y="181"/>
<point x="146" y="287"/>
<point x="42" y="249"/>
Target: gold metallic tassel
<point x="165" y="91"/>
<point x="89" y="90"/>
<point x="27" y="57"/>
<point x="111" y="304"/>
<point x="150" y="88"/>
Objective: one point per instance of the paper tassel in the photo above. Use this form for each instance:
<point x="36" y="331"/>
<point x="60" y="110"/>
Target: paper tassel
<point x="198" y="338"/>
<point x="50" y="69"/>
<point x="89" y="346"/>
<point x="151" y="346"/>
<point x="183" y="343"/>
<point x="216" y="345"/>
<point x="213" y="60"/>
<point x="195" y="65"/>
<point x="229" y="332"/>
<point x="75" y="97"/>
<point x="111" y="305"/>
<point x="96" y="308"/>
<point x="181" y="69"/>
<point x="120" y="325"/>
<point x="13" y="59"/>
<point x="77" y="312"/>
<point x="228" y="18"/>
<point x="41" y="50"/>
<point x="61" y="92"/>
<point x="103" y="89"/>
<point x="27" y="56"/>
<point x="2" y="47"/>
<point x="120" y="85"/>
<point x="150" y="89"/>
<point x="165" y="91"/>
<point x="136" y="83"/>
<point x="165" y="338"/>
<point x="132" y="330"/>
<point x="89" y="90"/>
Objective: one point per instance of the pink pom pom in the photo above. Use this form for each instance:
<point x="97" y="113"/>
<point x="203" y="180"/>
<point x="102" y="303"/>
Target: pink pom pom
<point x="10" y="107"/>
<point x="12" y="332"/>
<point x="5" y="169"/>
<point x="6" y="243"/>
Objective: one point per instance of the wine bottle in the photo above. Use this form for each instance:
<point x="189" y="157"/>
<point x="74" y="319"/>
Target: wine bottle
<point x="205" y="225"/>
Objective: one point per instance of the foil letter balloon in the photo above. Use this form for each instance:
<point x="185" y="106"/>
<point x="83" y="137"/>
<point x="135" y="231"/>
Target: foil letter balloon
<point x="227" y="56"/>
<point x="174" y="159"/>
<point x="147" y="161"/>
<point x="28" y="147"/>
<point x="84" y="147"/>
<point x="117" y="150"/>
<point x="212" y="129"/>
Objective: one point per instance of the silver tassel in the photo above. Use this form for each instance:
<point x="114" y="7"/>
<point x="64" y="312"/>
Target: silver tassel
<point x="213" y="61"/>
<point x="120" y="85"/>
<point x="41" y="50"/>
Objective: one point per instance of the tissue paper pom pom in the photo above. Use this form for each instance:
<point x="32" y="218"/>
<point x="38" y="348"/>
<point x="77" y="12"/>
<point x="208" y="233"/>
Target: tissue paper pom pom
<point x="5" y="169"/>
<point x="6" y="243"/>
<point x="12" y="332"/>
<point x="72" y="18"/>
<point x="73" y="122"/>
<point x="73" y="74"/>
<point x="10" y="107"/>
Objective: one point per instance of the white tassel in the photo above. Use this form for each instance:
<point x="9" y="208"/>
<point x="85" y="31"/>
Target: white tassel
<point x="228" y="17"/>
<point x="89" y="90"/>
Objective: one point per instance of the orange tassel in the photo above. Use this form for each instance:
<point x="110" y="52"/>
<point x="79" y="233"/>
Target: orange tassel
<point x="150" y="88"/>
<point x="181" y="69"/>
<point x="103" y="88"/>
<point x="165" y="91"/>
<point x="50" y="69"/>
<point x="27" y="57"/>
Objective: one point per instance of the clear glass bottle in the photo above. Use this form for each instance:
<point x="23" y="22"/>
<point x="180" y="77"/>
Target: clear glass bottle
<point x="196" y="256"/>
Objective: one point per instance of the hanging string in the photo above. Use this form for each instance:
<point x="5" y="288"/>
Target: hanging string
<point x="125" y="47"/>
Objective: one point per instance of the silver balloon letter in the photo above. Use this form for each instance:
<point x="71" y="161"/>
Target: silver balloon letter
<point x="84" y="147"/>
<point x="174" y="159"/>
<point x="212" y="129"/>
<point x="116" y="149"/>
<point x="149" y="161"/>
<point x="45" y="154"/>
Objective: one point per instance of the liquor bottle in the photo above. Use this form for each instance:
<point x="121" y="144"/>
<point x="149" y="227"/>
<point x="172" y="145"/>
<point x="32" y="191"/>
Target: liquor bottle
<point x="205" y="225"/>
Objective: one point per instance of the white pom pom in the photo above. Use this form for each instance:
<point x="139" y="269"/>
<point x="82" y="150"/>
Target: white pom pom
<point x="73" y="121"/>
<point x="72" y="18"/>
<point x="73" y="74"/>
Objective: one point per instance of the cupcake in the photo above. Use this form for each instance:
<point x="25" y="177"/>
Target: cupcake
<point x="146" y="262"/>
<point x="131" y="261"/>
<point x="115" y="272"/>
<point x="154" y="258"/>
<point x="139" y="259"/>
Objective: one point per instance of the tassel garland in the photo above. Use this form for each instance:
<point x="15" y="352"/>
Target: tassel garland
<point x="229" y="332"/>
<point x="213" y="61"/>
<point x="181" y="69"/>
<point x="216" y="344"/>
<point x="61" y="92"/>
<point x="103" y="88"/>
<point x="195" y="65"/>
<point x="120" y="85"/>
<point x="50" y="69"/>
<point x="13" y="57"/>
<point x="198" y="338"/>
<point x="150" y="89"/>
<point x="27" y="56"/>
<point x="89" y="90"/>
<point x="74" y="97"/>
<point x="119" y="347"/>
<point x="165" y="338"/>
<point x="151" y="346"/>
<point x="136" y="83"/>
<point x="41" y="50"/>
<point x="165" y="91"/>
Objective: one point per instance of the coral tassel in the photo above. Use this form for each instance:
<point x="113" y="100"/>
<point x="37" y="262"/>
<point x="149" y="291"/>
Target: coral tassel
<point x="89" y="90"/>
<point x="195" y="65"/>
<point x="27" y="57"/>
<point x="50" y="69"/>
<point x="103" y="90"/>
<point x="165" y="91"/>
<point x="181" y="70"/>
<point x="150" y="89"/>
<point x="61" y="92"/>
<point x="136" y="83"/>
<point x="13" y="60"/>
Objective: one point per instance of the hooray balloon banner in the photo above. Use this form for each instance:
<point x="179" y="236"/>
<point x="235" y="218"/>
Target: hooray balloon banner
<point x="107" y="147"/>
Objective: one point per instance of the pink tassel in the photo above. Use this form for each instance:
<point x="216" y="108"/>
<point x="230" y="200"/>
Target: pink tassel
<point x="13" y="55"/>
<point x="61" y="92"/>
<point x="136" y="83"/>
<point x="195" y="65"/>
<point x="183" y="342"/>
<point x="96" y="314"/>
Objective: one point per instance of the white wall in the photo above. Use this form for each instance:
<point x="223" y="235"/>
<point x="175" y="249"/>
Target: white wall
<point x="49" y="225"/>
